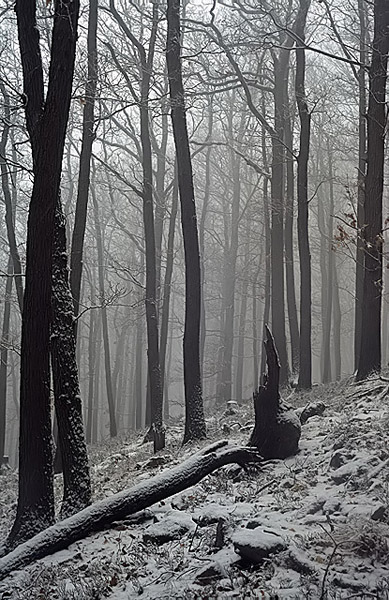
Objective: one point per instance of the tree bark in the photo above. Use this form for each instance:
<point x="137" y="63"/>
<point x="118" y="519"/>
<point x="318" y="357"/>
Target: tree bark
<point x="77" y="485"/>
<point x="305" y="372"/>
<point x="167" y="287"/>
<point x="88" y="136"/>
<point x="289" y="249"/>
<point x="47" y="129"/>
<point x="360" y="255"/>
<point x="194" y="411"/>
<point x="370" y="353"/>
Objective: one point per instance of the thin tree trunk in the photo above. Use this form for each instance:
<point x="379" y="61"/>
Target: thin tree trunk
<point x="360" y="255"/>
<point x="104" y="318"/>
<point x="167" y="284"/>
<point x="88" y="136"/>
<point x="289" y="249"/>
<point x="327" y="372"/>
<point x="8" y="202"/>
<point x="194" y="413"/>
<point x="4" y="357"/>
<point x="337" y="327"/>
<point x="242" y="327"/>
<point x="204" y="214"/>
<point x="305" y="373"/>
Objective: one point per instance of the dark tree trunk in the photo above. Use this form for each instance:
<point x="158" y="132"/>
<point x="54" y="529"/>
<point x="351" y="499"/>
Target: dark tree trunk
<point x="77" y="486"/>
<point x="289" y="249"/>
<point x="104" y="319"/>
<point x="88" y="136"/>
<point x="305" y="373"/>
<point x="167" y="287"/>
<point x="194" y="411"/>
<point x="47" y="129"/>
<point x="360" y="255"/>
<point x="91" y="371"/>
<point x="370" y="354"/>
<point x="277" y="213"/>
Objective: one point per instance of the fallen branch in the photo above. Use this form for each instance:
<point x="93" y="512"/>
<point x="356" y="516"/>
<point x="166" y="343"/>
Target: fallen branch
<point x="116" y="507"/>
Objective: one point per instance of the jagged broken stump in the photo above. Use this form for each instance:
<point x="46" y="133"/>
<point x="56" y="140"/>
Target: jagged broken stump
<point x="277" y="428"/>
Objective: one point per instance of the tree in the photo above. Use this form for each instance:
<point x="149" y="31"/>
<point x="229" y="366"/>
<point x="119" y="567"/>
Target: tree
<point x="305" y="366"/>
<point x="194" y="411"/>
<point x="88" y="136"/>
<point x="46" y="123"/>
<point x="370" y="353"/>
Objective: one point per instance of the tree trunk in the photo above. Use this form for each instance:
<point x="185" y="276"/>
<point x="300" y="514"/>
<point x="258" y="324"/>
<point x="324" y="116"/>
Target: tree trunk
<point x="204" y="214"/>
<point x="4" y="357"/>
<point x="167" y="285"/>
<point x="360" y="255"/>
<point x="47" y="129"/>
<point x="194" y="411"/>
<point x="242" y="321"/>
<point x="305" y="373"/>
<point x="77" y="485"/>
<point x="337" y="329"/>
<point x="277" y="213"/>
<point x="88" y="136"/>
<point x="370" y="354"/>
<point x="327" y="371"/>
<point x="9" y="208"/>
<point x="104" y="318"/>
<point x="289" y="249"/>
<point x="91" y="371"/>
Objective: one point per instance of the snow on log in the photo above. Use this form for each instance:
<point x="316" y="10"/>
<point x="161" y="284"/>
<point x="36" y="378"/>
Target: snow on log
<point x="116" y="507"/>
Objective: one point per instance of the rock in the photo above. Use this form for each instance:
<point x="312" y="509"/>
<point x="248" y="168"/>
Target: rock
<point x="254" y="545"/>
<point x="311" y="410"/>
<point x="337" y="460"/>
<point x="210" y="514"/>
<point x="379" y="513"/>
<point x="209" y="574"/>
<point x="344" y="473"/>
<point x="168" y="529"/>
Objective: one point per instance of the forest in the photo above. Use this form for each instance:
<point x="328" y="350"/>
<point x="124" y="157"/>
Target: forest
<point x="194" y="303"/>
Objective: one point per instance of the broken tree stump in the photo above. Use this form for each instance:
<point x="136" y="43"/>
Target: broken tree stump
<point x="277" y="428"/>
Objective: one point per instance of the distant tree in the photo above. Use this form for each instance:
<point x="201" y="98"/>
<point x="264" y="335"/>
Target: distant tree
<point x="370" y="352"/>
<point x="194" y="411"/>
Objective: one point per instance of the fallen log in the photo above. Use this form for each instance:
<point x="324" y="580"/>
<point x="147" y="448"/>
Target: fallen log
<point x="101" y="514"/>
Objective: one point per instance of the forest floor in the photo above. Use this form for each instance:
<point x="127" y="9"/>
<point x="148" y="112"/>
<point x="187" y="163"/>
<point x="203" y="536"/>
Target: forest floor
<point x="327" y="509"/>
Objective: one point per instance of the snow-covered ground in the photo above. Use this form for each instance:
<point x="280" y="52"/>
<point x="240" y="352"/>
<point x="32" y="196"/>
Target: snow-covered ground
<point x="312" y="526"/>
